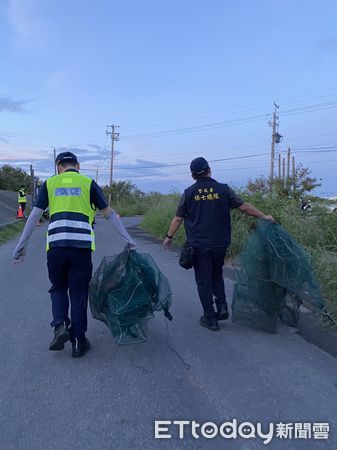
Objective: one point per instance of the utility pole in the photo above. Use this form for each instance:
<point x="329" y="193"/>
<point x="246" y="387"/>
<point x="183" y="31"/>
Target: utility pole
<point x="294" y="173"/>
<point x="32" y="182"/>
<point x="96" y="175"/>
<point x="114" y="137"/>
<point x="283" y="170"/>
<point x="275" y="139"/>
<point x="288" y="165"/>
<point x="279" y="165"/>
<point x="54" y="153"/>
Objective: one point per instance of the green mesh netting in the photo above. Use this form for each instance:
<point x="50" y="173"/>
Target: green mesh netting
<point x="125" y="291"/>
<point x="274" y="275"/>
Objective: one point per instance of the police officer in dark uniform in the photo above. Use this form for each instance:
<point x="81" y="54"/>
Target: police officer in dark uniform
<point x="205" y="210"/>
<point x="72" y="199"/>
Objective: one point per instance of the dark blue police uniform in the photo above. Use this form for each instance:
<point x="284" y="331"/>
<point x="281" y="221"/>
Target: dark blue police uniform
<point x="205" y="207"/>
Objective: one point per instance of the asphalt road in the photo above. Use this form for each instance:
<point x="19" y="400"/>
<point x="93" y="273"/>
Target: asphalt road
<point x="110" y="398"/>
<point x="9" y="206"/>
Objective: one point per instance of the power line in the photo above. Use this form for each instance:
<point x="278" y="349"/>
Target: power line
<point x="227" y="123"/>
<point x="164" y="165"/>
<point x="159" y="165"/>
<point x="235" y="148"/>
<point x="208" y="126"/>
<point x="230" y="111"/>
<point x="226" y="110"/>
<point x="234" y="169"/>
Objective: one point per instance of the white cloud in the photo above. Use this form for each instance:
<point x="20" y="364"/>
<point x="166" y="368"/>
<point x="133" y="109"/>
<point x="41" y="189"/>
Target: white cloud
<point x="19" y="18"/>
<point x="11" y="152"/>
<point x="23" y="16"/>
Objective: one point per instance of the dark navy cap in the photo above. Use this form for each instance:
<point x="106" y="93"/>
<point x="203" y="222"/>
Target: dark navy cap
<point x="199" y="165"/>
<point x="66" y="157"/>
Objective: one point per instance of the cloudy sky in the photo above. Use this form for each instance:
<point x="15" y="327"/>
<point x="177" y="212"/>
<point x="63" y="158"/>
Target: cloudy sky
<point x="181" y="78"/>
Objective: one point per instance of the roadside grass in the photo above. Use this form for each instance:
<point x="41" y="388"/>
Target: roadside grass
<point x="157" y="218"/>
<point x="9" y="231"/>
<point x="316" y="231"/>
<point x="325" y="265"/>
<point x="131" y="205"/>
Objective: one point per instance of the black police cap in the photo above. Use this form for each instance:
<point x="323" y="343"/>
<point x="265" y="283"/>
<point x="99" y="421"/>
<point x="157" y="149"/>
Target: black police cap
<point x="199" y="165"/>
<point x="66" y="157"/>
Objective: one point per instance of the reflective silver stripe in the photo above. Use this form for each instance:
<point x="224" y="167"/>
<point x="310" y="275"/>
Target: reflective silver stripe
<point x="70" y="223"/>
<point x="70" y="236"/>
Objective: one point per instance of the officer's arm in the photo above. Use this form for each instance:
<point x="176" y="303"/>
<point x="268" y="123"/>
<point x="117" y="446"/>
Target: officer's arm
<point x="249" y="209"/>
<point x="175" y="225"/>
<point x="115" y="221"/>
<point x="30" y="226"/>
<point x="178" y="219"/>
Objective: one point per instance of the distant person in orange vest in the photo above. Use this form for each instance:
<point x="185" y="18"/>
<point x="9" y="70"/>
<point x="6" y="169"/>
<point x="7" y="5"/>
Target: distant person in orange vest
<point x="22" y="199"/>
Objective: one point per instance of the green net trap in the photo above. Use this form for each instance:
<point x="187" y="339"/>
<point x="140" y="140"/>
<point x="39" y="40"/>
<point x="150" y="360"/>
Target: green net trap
<point x="124" y="293"/>
<point x="274" y="276"/>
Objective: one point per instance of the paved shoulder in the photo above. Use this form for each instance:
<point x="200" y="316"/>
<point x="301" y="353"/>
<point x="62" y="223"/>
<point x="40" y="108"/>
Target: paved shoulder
<point x="111" y="398"/>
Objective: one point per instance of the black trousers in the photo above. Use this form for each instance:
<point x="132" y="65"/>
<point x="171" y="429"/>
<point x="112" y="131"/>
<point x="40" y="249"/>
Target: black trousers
<point x="23" y="206"/>
<point x="70" y="271"/>
<point x="209" y="278"/>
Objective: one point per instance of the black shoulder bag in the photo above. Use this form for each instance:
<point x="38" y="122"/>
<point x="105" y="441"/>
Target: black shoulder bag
<point x="187" y="256"/>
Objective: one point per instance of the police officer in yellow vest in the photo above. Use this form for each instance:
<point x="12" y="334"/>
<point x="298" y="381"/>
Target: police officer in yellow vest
<point x="22" y="199"/>
<point x="72" y="199"/>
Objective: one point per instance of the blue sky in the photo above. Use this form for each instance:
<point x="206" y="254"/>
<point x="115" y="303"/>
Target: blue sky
<point x="181" y="78"/>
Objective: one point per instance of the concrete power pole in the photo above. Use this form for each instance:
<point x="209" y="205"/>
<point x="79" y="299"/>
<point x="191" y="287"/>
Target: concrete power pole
<point x="288" y="165"/>
<point x="55" y="172"/>
<point x="114" y="137"/>
<point x="275" y="139"/>
<point x="279" y="165"/>
<point x="294" y="173"/>
<point x="32" y="181"/>
<point x="283" y="170"/>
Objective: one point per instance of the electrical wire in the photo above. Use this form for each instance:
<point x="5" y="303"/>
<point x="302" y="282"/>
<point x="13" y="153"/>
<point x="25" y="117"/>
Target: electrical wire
<point x="222" y="124"/>
<point x="226" y="110"/>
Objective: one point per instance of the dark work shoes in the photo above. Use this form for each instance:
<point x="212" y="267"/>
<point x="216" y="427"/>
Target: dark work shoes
<point x="80" y="347"/>
<point x="211" y="324"/>
<point x="222" y="312"/>
<point x="61" y="336"/>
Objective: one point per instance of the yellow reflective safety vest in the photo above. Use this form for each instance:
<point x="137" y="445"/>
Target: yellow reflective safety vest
<point x="71" y="213"/>
<point x="22" y="196"/>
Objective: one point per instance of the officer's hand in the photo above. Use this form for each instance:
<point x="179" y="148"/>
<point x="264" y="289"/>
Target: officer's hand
<point x="19" y="255"/>
<point x="167" y="243"/>
<point x="130" y="246"/>
<point x="271" y="218"/>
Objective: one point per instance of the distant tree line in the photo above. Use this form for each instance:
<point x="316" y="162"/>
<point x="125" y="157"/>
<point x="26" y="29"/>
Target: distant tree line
<point x="127" y="199"/>
<point x="124" y="193"/>
<point x="12" y="178"/>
